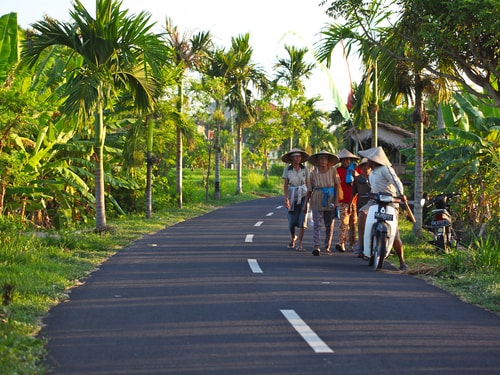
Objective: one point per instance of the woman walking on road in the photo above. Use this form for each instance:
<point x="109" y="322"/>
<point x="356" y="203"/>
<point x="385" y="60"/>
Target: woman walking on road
<point x="296" y="178"/>
<point x="323" y="195"/>
<point x="347" y="171"/>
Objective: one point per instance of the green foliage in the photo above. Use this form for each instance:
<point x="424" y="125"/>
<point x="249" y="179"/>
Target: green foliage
<point x="277" y="170"/>
<point x="464" y="158"/>
<point x="9" y="54"/>
<point x="482" y="256"/>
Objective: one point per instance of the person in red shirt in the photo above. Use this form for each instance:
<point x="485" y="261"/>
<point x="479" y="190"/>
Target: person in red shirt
<point x="347" y="171"/>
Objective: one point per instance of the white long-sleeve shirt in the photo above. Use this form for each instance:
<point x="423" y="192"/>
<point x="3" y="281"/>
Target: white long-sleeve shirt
<point x="383" y="179"/>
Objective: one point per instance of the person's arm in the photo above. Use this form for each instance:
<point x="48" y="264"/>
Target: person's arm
<point x="394" y="179"/>
<point x="285" y="191"/>
<point x="336" y="186"/>
<point x="354" y="190"/>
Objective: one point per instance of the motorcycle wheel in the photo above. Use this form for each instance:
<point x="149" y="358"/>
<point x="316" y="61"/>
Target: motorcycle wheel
<point x="441" y="242"/>
<point x="379" y="250"/>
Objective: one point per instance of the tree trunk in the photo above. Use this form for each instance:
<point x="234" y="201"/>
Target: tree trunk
<point x="239" y="143"/>
<point x="100" y="136"/>
<point x="419" y="158"/>
<point x="149" y="187"/>
<point x="217" y="158"/>
<point x="179" y="162"/>
<point x="375" y="108"/>
<point x="3" y="189"/>
<point x="149" y="169"/>
<point x="207" y="184"/>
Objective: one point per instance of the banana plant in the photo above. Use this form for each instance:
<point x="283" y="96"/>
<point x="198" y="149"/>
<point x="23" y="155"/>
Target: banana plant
<point x="464" y="157"/>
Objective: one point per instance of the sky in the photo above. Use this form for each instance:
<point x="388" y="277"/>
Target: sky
<point x="272" y="24"/>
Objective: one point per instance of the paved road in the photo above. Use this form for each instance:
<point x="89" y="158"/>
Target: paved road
<point x="222" y="294"/>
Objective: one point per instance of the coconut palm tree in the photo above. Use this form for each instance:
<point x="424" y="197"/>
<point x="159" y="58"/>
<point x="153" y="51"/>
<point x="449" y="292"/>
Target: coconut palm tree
<point x="292" y="71"/>
<point x="242" y="76"/>
<point x="216" y="86"/>
<point x="190" y="51"/>
<point x="118" y="57"/>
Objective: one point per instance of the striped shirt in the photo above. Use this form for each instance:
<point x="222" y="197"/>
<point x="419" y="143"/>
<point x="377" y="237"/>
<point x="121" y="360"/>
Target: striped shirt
<point x="317" y="183"/>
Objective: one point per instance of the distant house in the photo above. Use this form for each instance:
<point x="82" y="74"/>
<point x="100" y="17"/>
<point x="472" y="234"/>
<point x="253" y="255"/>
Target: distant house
<point x="391" y="138"/>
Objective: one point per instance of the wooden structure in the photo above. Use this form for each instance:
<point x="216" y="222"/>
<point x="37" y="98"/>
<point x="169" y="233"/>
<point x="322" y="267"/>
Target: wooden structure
<point x="391" y="138"/>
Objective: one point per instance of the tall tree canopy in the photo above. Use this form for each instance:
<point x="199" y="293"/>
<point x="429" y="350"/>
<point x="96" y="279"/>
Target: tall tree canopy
<point x="116" y="54"/>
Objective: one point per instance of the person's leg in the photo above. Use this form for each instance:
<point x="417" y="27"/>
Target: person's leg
<point x="361" y="232"/>
<point x="344" y="226"/>
<point x="353" y="227"/>
<point x="291" y="228"/>
<point x="302" y="224"/>
<point x="398" y="248"/>
<point x="329" y="217"/>
<point x="318" y="222"/>
<point x="300" y="247"/>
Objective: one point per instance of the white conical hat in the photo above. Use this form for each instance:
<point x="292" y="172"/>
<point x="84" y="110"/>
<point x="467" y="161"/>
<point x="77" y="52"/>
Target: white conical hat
<point x="346" y="154"/>
<point x="377" y="155"/>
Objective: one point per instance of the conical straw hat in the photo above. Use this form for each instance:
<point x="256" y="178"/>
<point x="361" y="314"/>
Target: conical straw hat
<point x="377" y="155"/>
<point x="332" y="159"/>
<point x="346" y="154"/>
<point x="287" y="158"/>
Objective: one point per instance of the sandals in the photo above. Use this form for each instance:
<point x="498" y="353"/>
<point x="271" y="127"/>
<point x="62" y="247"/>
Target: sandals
<point x="291" y="245"/>
<point x="301" y="249"/>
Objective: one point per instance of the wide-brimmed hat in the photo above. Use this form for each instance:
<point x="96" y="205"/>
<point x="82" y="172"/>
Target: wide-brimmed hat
<point x="287" y="158"/>
<point x="363" y="161"/>
<point x="346" y="154"/>
<point x="377" y="155"/>
<point x="314" y="159"/>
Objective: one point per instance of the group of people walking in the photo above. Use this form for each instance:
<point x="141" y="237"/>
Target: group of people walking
<point x="328" y="192"/>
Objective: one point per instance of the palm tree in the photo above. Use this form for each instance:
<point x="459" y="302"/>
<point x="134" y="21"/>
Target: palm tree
<point x="190" y="53"/>
<point x="117" y="54"/>
<point x="291" y="71"/>
<point x="242" y="75"/>
<point x="216" y="87"/>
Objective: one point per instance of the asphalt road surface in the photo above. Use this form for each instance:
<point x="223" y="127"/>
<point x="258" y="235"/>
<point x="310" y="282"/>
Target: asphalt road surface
<point x="222" y="294"/>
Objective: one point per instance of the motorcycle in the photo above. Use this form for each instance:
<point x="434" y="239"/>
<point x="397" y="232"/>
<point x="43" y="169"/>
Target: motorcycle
<point x="380" y="229"/>
<point x="441" y="224"/>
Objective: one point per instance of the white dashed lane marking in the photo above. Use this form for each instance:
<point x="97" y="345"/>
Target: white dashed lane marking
<point x="258" y="223"/>
<point x="254" y="266"/>
<point x="306" y="332"/>
<point x="249" y="238"/>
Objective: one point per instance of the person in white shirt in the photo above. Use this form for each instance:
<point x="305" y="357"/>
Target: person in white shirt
<point x="383" y="179"/>
<point x="296" y="178"/>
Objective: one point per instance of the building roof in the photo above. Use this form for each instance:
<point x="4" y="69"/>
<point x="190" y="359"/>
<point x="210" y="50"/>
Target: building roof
<point x="389" y="134"/>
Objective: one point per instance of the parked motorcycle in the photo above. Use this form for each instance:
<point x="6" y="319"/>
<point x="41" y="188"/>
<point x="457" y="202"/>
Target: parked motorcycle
<point x="380" y="229"/>
<point x="441" y="222"/>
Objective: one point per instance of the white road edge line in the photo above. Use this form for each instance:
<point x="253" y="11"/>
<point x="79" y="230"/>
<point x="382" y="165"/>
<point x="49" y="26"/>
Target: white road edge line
<point x="258" y="223"/>
<point x="249" y="238"/>
<point x="306" y="332"/>
<point x="254" y="266"/>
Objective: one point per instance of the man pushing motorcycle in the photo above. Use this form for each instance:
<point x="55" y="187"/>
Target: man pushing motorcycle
<point x="382" y="179"/>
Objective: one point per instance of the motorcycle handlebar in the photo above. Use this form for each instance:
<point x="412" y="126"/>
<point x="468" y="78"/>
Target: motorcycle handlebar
<point x="440" y="198"/>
